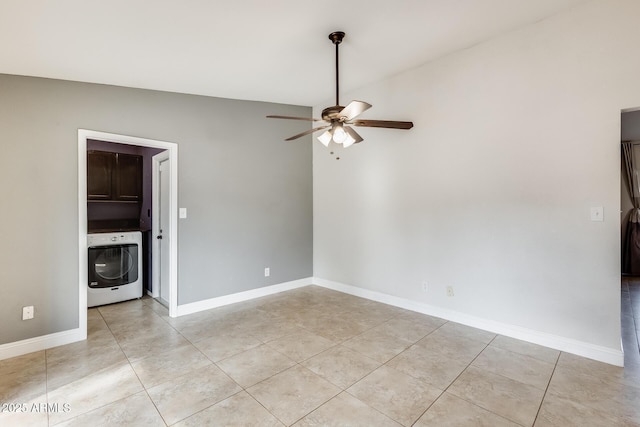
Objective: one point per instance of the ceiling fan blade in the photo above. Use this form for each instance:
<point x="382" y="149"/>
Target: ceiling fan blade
<point x="309" y="119"/>
<point x="353" y="134"/>
<point x="390" y="124"/>
<point x="354" y="109"/>
<point x="306" y="132"/>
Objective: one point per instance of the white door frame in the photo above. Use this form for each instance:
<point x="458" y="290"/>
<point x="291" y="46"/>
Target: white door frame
<point x="172" y="147"/>
<point x="155" y="223"/>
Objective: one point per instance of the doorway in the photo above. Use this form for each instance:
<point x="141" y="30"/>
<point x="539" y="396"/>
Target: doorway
<point x="170" y="217"/>
<point x="629" y="196"/>
<point x="161" y="179"/>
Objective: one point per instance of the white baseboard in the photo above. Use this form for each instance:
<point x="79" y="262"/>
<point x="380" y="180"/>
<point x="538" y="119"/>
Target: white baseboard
<point x="207" y="304"/>
<point x="580" y="348"/>
<point x="44" y="342"/>
<point x="569" y="345"/>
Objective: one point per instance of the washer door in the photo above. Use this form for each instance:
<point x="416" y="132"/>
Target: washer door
<point x="113" y="265"/>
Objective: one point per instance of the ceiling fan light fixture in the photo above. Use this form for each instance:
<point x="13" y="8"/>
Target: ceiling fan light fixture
<point x="336" y="117"/>
<point x="349" y="140"/>
<point x="325" y="138"/>
<point x="339" y="134"/>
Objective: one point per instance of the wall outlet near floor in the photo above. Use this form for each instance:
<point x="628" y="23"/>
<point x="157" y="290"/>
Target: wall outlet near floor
<point x="27" y="312"/>
<point x="267" y="272"/>
<point x="449" y="291"/>
<point x="425" y="286"/>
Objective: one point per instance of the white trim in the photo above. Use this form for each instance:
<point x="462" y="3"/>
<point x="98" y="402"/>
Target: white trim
<point x="172" y="147"/>
<point x="43" y="342"/>
<point x="207" y="304"/>
<point x="581" y="348"/>
<point x="83" y="261"/>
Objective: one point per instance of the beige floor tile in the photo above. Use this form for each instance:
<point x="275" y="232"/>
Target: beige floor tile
<point x="395" y="394"/>
<point x="128" y="313"/>
<point x="184" y="396"/>
<point x="422" y="318"/>
<point x="273" y="329"/>
<point x="310" y="319"/>
<point x="254" y="365"/>
<point x="204" y="318"/>
<point x="378" y="345"/>
<point x="136" y="410"/>
<point x="125" y="330"/>
<point x="410" y="329"/>
<point x="24" y="414"/>
<point x="506" y="381"/>
<point x="152" y="343"/>
<point x="559" y="412"/>
<point x="96" y="390"/>
<point x="23" y="378"/>
<point x="464" y="331"/>
<point x="292" y="394"/>
<point x="452" y="346"/>
<point x="341" y="366"/>
<point x="159" y="368"/>
<point x="98" y="334"/>
<point x="222" y="321"/>
<point x="596" y="391"/>
<point x="515" y="366"/>
<point x="336" y="328"/>
<point x="511" y="399"/>
<point x="235" y="411"/>
<point x="373" y="314"/>
<point x="247" y="319"/>
<point x="301" y="346"/>
<point x="115" y="311"/>
<point x="583" y="365"/>
<point x="72" y="362"/>
<point x="528" y="349"/>
<point x="346" y="410"/>
<point x="221" y="345"/>
<point x="202" y="330"/>
<point x="451" y="411"/>
<point x="95" y="322"/>
<point x="157" y="307"/>
<point x="429" y="365"/>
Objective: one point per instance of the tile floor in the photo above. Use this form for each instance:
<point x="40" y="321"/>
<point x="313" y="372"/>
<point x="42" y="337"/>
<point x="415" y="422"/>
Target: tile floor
<point x="312" y="357"/>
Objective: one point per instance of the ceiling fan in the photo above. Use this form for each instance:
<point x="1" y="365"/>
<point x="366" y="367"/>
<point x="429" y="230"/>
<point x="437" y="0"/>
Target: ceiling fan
<point x="337" y="117"/>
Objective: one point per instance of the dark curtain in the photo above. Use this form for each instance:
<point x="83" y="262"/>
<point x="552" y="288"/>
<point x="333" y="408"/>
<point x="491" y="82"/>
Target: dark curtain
<point x="631" y="251"/>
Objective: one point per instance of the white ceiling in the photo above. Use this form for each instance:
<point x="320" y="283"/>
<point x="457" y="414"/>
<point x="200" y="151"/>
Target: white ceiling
<point x="274" y="51"/>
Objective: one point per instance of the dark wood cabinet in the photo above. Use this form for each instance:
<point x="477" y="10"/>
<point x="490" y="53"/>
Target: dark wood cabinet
<point x="114" y="176"/>
<point x="128" y="178"/>
<point x="100" y="167"/>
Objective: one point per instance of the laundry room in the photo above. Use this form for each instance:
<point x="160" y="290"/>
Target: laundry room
<point x="119" y="221"/>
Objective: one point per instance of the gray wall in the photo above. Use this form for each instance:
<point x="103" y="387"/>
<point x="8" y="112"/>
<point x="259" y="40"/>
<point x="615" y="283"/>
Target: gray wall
<point x="248" y="193"/>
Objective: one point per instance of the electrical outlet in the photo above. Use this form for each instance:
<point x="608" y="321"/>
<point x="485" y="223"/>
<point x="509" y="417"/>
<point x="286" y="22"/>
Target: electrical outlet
<point x="267" y="272"/>
<point x="425" y="286"/>
<point x="27" y="312"/>
<point x="449" y="291"/>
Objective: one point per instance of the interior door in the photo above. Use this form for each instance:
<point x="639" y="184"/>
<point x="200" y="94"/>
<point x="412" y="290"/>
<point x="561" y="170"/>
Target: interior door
<point x="161" y="227"/>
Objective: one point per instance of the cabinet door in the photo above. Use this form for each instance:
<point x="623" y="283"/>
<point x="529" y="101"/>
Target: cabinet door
<point x="128" y="178"/>
<point x="99" y="175"/>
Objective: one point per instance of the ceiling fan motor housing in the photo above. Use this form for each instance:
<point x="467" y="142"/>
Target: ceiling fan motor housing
<point x="330" y="114"/>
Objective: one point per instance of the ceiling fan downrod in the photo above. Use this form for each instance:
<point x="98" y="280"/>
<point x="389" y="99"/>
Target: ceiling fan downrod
<point x="336" y="37"/>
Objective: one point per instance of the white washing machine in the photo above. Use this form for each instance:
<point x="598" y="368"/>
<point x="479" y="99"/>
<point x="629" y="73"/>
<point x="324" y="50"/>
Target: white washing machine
<point x="115" y="267"/>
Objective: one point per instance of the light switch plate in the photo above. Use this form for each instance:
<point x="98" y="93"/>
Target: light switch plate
<point x="597" y="213"/>
<point x="182" y="213"/>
